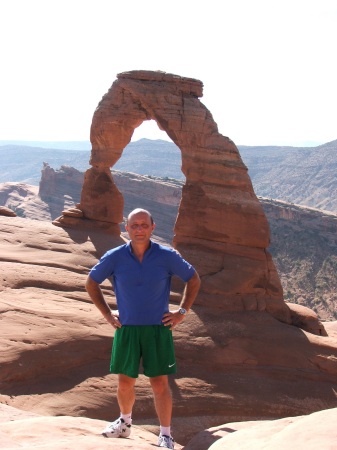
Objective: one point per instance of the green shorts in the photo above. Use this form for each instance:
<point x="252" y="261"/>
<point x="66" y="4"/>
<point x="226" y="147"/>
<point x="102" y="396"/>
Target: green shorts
<point x="153" y="344"/>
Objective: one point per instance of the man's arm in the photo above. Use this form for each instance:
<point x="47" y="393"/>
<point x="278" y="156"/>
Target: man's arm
<point x="95" y="293"/>
<point x="190" y="293"/>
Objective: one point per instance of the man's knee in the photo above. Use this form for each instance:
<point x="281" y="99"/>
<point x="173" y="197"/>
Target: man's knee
<point x="125" y="383"/>
<point x="160" y="384"/>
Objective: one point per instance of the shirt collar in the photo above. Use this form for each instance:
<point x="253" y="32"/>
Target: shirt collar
<point x="129" y="247"/>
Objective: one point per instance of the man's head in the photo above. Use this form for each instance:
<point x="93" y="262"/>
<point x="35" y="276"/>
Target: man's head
<point x="139" y="211"/>
<point x="139" y="225"/>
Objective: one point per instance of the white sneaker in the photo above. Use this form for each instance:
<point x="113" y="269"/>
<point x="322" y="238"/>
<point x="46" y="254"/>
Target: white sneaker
<point x="166" y="441"/>
<point x="117" y="429"/>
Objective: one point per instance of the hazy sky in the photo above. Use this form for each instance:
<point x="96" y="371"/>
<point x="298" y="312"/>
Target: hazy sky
<point x="268" y="67"/>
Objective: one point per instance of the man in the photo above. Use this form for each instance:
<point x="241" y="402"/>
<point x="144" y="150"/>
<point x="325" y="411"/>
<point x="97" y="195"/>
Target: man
<point x="141" y="271"/>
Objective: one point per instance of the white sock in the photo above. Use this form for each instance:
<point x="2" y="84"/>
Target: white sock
<point x="165" y="431"/>
<point x="127" y="418"/>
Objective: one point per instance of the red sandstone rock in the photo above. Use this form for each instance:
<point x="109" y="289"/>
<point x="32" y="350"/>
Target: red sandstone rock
<point x="7" y="212"/>
<point x="73" y="212"/>
<point x="317" y="430"/>
<point x="55" y="346"/>
<point x="306" y="318"/>
<point x="24" y="430"/>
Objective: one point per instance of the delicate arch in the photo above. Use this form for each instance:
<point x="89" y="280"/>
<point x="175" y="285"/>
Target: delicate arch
<point x="221" y="227"/>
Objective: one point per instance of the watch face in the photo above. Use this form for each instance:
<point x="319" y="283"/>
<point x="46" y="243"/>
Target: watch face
<point x="182" y="311"/>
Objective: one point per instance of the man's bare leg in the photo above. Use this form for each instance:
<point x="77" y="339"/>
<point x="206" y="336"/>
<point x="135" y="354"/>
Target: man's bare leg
<point x="126" y="398"/>
<point x="126" y="393"/>
<point x="162" y="399"/>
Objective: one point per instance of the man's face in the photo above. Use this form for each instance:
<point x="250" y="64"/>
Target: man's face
<point x="139" y="227"/>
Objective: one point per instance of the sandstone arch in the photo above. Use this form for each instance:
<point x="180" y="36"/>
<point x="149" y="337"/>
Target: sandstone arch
<point x="221" y="227"/>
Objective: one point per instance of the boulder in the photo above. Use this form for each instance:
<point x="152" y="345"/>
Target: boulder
<point x="4" y="211"/>
<point x="306" y="318"/>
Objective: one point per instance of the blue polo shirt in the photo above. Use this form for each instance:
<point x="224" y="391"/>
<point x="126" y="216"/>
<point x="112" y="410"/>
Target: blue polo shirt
<point x="142" y="289"/>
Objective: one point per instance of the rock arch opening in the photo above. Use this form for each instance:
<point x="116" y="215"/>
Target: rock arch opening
<point x="148" y="174"/>
<point x="152" y="157"/>
<point x="149" y="129"/>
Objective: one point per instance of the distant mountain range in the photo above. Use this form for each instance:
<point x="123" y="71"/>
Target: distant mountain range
<point x="305" y="176"/>
<point x="300" y="175"/>
<point x="58" y="145"/>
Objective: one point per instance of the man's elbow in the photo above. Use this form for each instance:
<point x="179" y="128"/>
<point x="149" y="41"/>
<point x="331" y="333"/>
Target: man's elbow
<point x="90" y="284"/>
<point x="195" y="281"/>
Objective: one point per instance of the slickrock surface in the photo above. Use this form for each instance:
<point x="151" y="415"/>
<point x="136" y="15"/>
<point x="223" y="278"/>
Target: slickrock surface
<point x="23" y="430"/>
<point x="55" y="346"/>
<point x="317" y="430"/>
<point x="19" y="429"/>
<point x="221" y="227"/>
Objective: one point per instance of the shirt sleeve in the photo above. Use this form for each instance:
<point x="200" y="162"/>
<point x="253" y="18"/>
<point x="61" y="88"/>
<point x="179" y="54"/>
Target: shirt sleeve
<point x="103" y="269"/>
<point x="180" y="267"/>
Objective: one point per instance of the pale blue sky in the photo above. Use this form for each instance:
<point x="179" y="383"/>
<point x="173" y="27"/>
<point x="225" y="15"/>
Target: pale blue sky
<point x="268" y="67"/>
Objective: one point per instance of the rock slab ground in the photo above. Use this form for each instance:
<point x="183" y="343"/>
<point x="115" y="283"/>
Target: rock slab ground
<point x="20" y="429"/>
<point x="55" y="346"/>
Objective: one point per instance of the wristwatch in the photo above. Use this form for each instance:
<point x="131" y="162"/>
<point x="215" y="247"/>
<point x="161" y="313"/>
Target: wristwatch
<point x="183" y="311"/>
